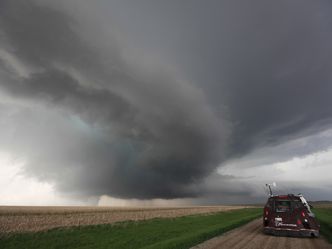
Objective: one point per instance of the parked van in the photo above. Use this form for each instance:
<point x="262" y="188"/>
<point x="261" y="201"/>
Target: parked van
<point x="289" y="215"/>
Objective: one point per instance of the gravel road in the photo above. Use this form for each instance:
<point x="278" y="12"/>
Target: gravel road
<point x="250" y="236"/>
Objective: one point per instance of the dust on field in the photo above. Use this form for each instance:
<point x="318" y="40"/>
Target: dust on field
<point x="15" y="219"/>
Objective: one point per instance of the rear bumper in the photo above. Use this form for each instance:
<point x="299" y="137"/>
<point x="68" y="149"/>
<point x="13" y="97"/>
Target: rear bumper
<point x="291" y="232"/>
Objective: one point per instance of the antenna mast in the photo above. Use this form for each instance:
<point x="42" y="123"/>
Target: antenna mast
<point x="269" y="186"/>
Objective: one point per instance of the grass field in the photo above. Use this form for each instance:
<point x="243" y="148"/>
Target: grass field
<point x="181" y="232"/>
<point x="324" y="215"/>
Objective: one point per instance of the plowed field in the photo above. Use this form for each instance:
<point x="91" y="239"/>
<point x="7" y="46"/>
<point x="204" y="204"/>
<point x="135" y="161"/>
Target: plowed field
<point x="23" y="219"/>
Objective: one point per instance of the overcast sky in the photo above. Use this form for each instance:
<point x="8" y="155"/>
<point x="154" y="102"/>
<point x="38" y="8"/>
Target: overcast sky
<point x="164" y="102"/>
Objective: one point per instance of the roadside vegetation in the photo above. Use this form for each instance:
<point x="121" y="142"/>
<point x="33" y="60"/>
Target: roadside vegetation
<point x="324" y="216"/>
<point x="181" y="232"/>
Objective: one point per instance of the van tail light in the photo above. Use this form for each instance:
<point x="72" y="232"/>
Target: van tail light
<point x="303" y="214"/>
<point x="266" y="212"/>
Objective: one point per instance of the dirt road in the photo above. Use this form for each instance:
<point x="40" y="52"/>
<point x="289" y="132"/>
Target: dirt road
<point x="250" y="236"/>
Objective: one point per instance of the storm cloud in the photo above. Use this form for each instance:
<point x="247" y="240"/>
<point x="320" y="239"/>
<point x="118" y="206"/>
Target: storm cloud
<point x="155" y="135"/>
<point x="154" y="100"/>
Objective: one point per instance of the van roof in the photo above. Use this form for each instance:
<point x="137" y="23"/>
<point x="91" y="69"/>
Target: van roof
<point x="289" y="196"/>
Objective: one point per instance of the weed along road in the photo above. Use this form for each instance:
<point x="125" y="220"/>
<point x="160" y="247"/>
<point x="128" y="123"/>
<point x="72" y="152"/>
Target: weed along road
<point x="250" y="236"/>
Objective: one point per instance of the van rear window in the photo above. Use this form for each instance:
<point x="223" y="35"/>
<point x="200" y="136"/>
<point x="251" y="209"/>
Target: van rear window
<point x="282" y="206"/>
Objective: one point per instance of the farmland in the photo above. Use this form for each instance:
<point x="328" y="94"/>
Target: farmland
<point x="324" y="216"/>
<point x="121" y="228"/>
<point x="32" y="219"/>
<point x="180" y="232"/>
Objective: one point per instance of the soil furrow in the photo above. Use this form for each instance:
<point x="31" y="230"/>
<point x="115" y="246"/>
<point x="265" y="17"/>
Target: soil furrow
<point x="32" y="219"/>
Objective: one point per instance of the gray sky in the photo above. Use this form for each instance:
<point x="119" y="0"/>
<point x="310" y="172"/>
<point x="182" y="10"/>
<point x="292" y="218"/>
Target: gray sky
<point x="145" y="101"/>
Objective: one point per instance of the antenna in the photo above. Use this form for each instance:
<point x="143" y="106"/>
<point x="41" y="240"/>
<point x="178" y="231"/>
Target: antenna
<point x="269" y="186"/>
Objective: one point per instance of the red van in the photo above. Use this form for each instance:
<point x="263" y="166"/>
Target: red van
<point x="289" y="215"/>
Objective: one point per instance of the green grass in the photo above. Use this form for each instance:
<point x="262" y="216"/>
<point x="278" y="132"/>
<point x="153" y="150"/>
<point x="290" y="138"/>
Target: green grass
<point x="324" y="216"/>
<point x="182" y="232"/>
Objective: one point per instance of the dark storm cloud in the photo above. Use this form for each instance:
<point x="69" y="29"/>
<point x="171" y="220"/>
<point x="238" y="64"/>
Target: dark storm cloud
<point x="265" y="65"/>
<point x="151" y="135"/>
<point x="123" y="126"/>
<point x="269" y="63"/>
<point x="277" y="71"/>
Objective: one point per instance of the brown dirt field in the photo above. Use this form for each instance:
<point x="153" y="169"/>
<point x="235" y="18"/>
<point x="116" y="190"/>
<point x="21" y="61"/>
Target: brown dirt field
<point x="32" y="219"/>
<point x="250" y="236"/>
